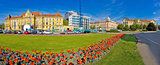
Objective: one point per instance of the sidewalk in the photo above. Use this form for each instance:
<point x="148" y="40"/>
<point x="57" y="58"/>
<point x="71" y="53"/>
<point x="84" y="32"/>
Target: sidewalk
<point x="146" y="54"/>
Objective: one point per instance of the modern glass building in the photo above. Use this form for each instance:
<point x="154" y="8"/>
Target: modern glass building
<point x="74" y="20"/>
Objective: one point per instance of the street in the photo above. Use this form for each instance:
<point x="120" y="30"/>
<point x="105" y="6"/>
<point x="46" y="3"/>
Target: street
<point x="152" y="40"/>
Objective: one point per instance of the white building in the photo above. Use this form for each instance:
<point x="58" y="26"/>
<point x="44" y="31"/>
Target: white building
<point x="74" y="20"/>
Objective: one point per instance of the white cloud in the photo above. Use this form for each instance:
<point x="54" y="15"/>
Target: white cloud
<point x="154" y="12"/>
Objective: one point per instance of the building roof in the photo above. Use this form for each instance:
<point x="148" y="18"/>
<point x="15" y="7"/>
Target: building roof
<point x="35" y="14"/>
<point x="144" y="20"/>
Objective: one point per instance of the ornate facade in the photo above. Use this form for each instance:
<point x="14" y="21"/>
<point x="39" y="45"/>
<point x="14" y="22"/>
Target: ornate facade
<point x="106" y="25"/>
<point x="36" y="20"/>
<point x="130" y="22"/>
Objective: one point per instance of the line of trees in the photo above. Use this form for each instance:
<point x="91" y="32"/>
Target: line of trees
<point x="134" y="27"/>
<point x="2" y="26"/>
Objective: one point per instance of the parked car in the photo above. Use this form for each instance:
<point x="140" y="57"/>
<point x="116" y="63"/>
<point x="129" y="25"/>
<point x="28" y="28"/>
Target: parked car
<point x="34" y="32"/>
<point x="10" y="32"/>
<point x="1" y="31"/>
<point x="15" y="32"/>
<point x="87" y="31"/>
<point x="70" y="32"/>
<point x="47" y="32"/>
<point x="26" y="32"/>
<point x="19" y="32"/>
<point x="119" y="30"/>
<point x="77" y="32"/>
<point x="40" y="32"/>
<point x="5" y="32"/>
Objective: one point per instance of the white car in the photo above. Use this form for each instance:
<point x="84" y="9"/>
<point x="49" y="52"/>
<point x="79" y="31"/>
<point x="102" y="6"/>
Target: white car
<point x="47" y="32"/>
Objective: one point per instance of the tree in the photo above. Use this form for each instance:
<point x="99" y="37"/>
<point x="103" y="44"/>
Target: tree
<point x="137" y="26"/>
<point x="136" y="20"/>
<point x="2" y="26"/>
<point x="144" y="26"/>
<point x="94" y="27"/>
<point x="133" y="27"/>
<point x="99" y="27"/>
<point x="159" y="27"/>
<point x="141" y="26"/>
<point x="120" y="26"/>
<point x="126" y="28"/>
<point x="91" y="27"/>
<point x="65" y="22"/>
<point x="151" y="27"/>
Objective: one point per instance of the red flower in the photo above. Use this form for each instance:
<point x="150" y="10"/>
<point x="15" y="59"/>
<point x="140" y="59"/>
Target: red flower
<point x="50" y="63"/>
<point x="52" y="59"/>
<point x="32" y="63"/>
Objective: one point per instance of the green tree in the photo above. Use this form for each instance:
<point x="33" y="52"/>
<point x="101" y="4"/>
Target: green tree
<point x="91" y="27"/>
<point x="126" y="28"/>
<point x="65" y="22"/>
<point x="2" y="26"/>
<point x="159" y="27"/>
<point x="99" y="27"/>
<point x="120" y="26"/>
<point x="137" y="26"/>
<point x="94" y="27"/>
<point x="144" y="26"/>
<point x="136" y="20"/>
<point x="133" y="27"/>
<point x="151" y="27"/>
<point x="141" y="26"/>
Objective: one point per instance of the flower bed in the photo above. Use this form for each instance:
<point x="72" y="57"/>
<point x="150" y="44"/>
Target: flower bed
<point x="88" y="54"/>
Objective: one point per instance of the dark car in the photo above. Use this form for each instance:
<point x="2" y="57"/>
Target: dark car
<point x="15" y="32"/>
<point x="87" y="31"/>
<point x="1" y="31"/>
<point x="10" y="32"/>
<point x="34" y="32"/>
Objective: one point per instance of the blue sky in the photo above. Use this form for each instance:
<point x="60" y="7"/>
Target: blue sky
<point x="96" y="9"/>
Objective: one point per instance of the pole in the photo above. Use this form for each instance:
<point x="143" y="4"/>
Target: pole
<point x="80" y="14"/>
<point x="157" y="26"/>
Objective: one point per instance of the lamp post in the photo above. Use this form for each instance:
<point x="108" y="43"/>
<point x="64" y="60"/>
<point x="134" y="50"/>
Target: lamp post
<point x="157" y="27"/>
<point x="80" y="13"/>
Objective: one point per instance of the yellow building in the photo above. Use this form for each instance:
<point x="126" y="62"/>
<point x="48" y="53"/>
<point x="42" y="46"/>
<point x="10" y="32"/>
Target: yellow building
<point x="106" y="25"/>
<point x="130" y="22"/>
<point x="35" y="20"/>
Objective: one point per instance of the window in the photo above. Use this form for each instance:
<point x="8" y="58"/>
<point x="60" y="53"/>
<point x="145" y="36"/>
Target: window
<point x="57" y="19"/>
<point x="46" y="23"/>
<point x="60" y="23"/>
<point x="50" y="19"/>
<point x="14" y="25"/>
<point x="31" y="23"/>
<point x="46" y="19"/>
<point x="57" y="23"/>
<point x="53" y="23"/>
<point x="39" y="24"/>
<point x="25" y="23"/>
<point x="53" y="19"/>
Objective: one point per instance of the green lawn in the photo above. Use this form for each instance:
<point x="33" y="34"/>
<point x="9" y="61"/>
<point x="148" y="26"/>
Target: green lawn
<point x="124" y="53"/>
<point x="49" y="43"/>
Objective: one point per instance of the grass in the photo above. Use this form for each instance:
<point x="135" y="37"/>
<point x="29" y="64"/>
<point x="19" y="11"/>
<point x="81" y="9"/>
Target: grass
<point x="49" y="43"/>
<point x="131" y="31"/>
<point x="124" y="53"/>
